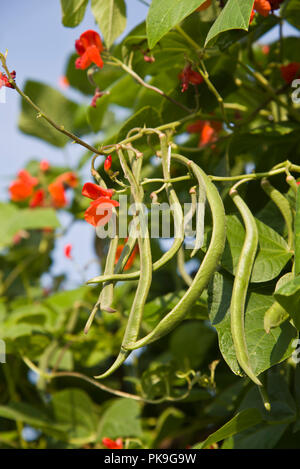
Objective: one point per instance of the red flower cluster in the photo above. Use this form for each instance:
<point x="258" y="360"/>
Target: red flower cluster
<point x="264" y="7"/>
<point x="89" y="46"/>
<point x="189" y="76"/>
<point x="22" y="188"/>
<point x="131" y="257"/>
<point x="101" y="199"/>
<point x="290" y="72"/>
<point x="4" y="81"/>
<point x="208" y="131"/>
<point x="113" y="444"/>
<point x="57" y="188"/>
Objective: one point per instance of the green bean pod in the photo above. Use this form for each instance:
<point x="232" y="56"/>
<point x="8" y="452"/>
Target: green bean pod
<point x="240" y="286"/>
<point x="207" y="267"/>
<point x="135" y="315"/>
<point x="284" y="207"/>
<point x="107" y="294"/>
<point x="166" y="257"/>
<point x="200" y="218"/>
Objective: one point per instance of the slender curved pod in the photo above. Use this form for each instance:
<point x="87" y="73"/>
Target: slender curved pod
<point x="208" y="265"/>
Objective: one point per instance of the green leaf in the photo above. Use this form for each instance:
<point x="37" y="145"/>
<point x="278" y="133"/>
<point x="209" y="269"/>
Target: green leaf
<point x="111" y="18"/>
<point x="33" y="416"/>
<point x="288" y="296"/>
<point x="15" y="219"/>
<point x="122" y="419"/>
<point x="261" y="436"/>
<point x="273" y="252"/>
<point x="73" y="409"/>
<point x="147" y="116"/>
<point x="73" y="12"/>
<point x="241" y="421"/>
<point x="297" y="234"/>
<point x="95" y="114"/>
<point x="235" y="15"/>
<point x="265" y="350"/>
<point x="291" y="12"/>
<point x="163" y="16"/>
<point x="191" y="342"/>
<point x="60" y="109"/>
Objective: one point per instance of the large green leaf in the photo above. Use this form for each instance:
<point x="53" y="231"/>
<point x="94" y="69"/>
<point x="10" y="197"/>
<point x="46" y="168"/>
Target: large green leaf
<point x="235" y="15"/>
<point x="73" y="12"/>
<point x="60" y="109"/>
<point x="121" y="419"/>
<point x="288" y="296"/>
<point x="147" y="116"/>
<point x="111" y="18"/>
<point x="265" y="350"/>
<point x="273" y="252"/>
<point x="163" y="16"/>
<point x="74" y="410"/>
<point x="191" y="342"/>
<point x="15" y="219"/>
<point x="291" y="12"/>
<point x="96" y="114"/>
<point x="241" y="421"/>
<point x="33" y="416"/>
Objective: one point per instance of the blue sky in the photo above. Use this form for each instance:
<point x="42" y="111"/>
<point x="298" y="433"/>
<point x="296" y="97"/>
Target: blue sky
<point x="38" y="46"/>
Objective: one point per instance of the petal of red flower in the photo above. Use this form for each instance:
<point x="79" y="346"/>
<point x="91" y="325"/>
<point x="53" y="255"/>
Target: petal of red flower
<point x="67" y="251"/>
<point x="107" y="163"/>
<point x="37" y="199"/>
<point x="20" y="191"/>
<point x="57" y="192"/>
<point x="100" y="211"/>
<point x="94" y="56"/>
<point x="263" y="7"/>
<point x="111" y="444"/>
<point x="69" y="178"/>
<point x="26" y="177"/>
<point x="290" y="72"/>
<point x="93" y="191"/>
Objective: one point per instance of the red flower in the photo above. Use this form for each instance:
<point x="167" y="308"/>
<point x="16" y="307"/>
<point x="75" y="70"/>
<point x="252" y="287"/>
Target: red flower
<point x="23" y="186"/>
<point x="89" y="46"/>
<point x="37" y="199"/>
<point x="131" y="257"/>
<point x="107" y="164"/>
<point x="44" y="165"/>
<point x="100" y="210"/>
<point x="112" y="444"/>
<point x="92" y="191"/>
<point x="263" y="7"/>
<point x="204" y="6"/>
<point x="208" y="131"/>
<point x="69" y="179"/>
<point x="57" y="192"/>
<point x="4" y="81"/>
<point x="290" y="72"/>
<point x="189" y="76"/>
<point x="67" y="251"/>
<point x="98" y="94"/>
